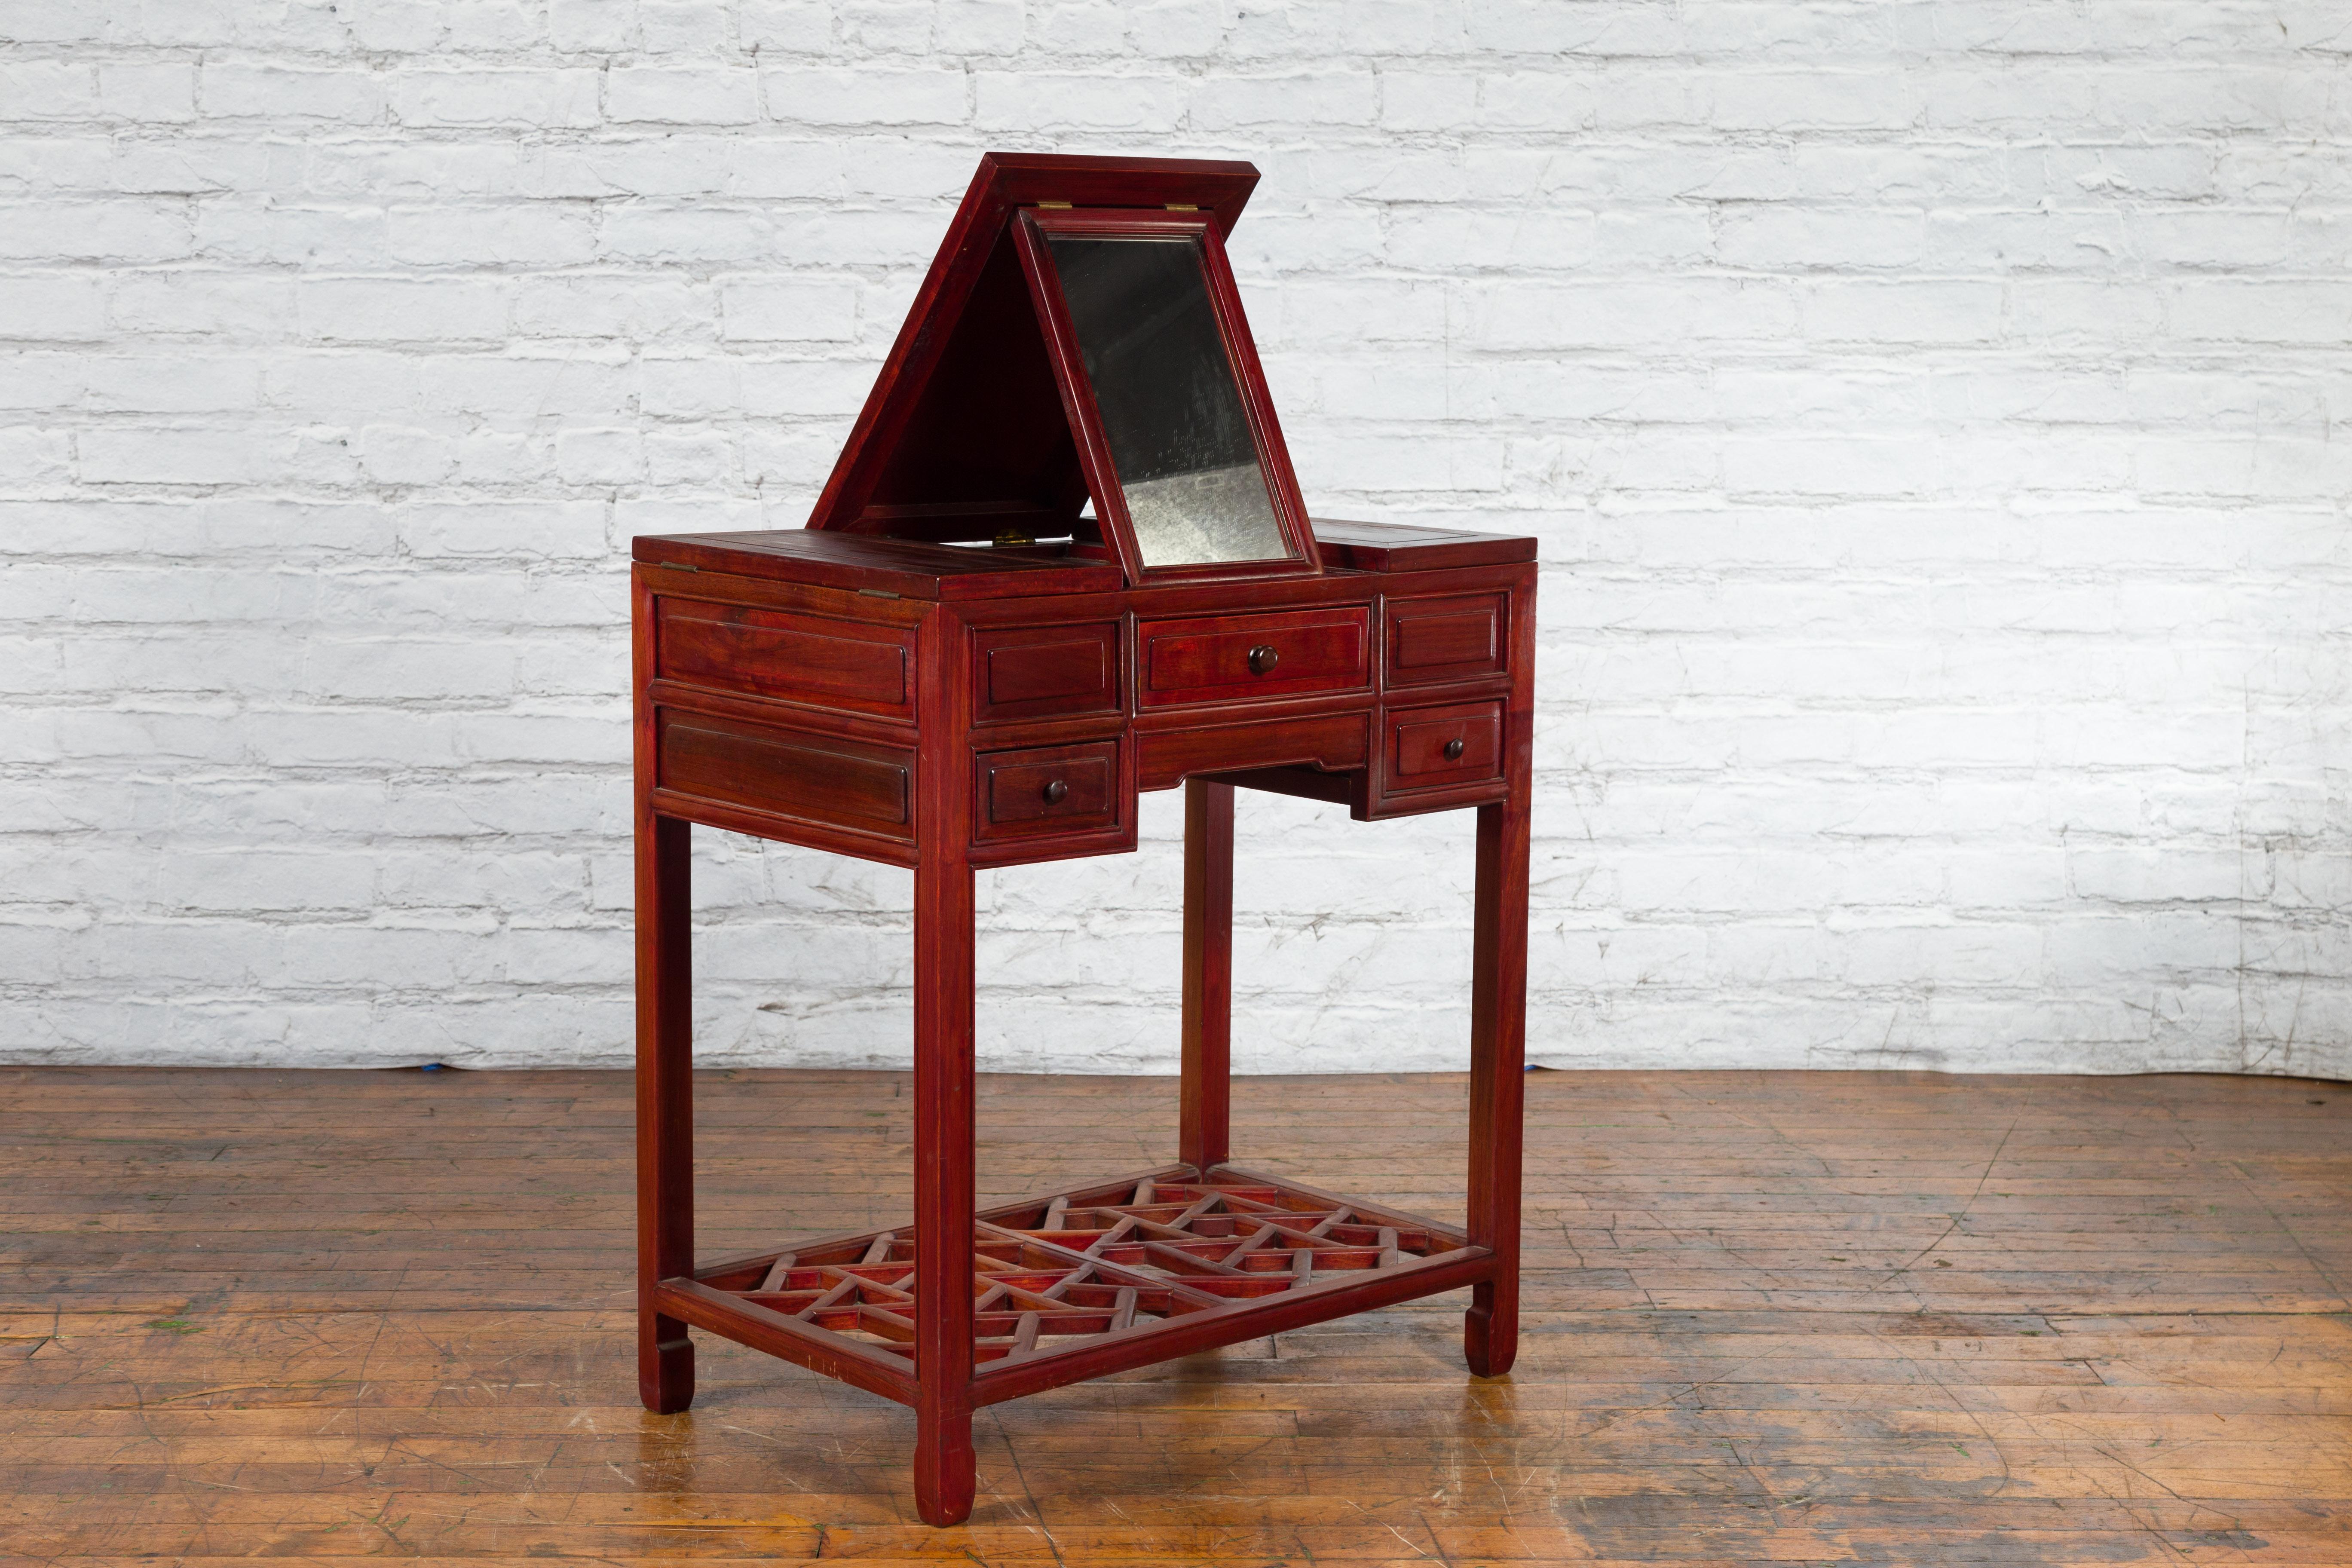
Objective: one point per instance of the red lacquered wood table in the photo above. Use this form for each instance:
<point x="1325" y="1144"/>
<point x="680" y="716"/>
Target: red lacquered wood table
<point x="1063" y="559"/>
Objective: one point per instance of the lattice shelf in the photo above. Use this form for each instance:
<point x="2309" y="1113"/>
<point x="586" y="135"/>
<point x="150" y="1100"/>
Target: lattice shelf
<point x="1073" y="1273"/>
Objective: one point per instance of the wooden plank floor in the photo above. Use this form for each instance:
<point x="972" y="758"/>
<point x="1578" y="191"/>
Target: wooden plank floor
<point x="1773" y="1318"/>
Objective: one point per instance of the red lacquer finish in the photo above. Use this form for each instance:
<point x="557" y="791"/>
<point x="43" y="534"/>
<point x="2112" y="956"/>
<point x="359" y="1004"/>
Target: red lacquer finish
<point x="868" y="687"/>
<point x="1204" y="1134"/>
<point x="665" y="1081"/>
<point x="944" y="1190"/>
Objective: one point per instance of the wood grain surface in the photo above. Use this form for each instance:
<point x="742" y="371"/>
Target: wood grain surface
<point x="1768" y="1319"/>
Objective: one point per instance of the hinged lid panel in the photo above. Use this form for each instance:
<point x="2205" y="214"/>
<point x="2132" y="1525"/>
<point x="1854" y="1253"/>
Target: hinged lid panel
<point x="1079" y="340"/>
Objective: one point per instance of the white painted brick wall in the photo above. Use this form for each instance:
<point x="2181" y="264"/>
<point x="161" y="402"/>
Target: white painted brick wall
<point x="1930" y="411"/>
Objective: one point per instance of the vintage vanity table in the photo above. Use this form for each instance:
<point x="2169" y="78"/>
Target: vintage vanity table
<point x="1063" y="559"/>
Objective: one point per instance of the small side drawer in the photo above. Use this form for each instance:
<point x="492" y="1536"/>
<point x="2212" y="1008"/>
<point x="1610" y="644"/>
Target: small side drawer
<point x="1458" y="638"/>
<point x="1228" y="658"/>
<point x="1046" y="790"/>
<point x="1430" y="747"/>
<point x="774" y="653"/>
<point x="1044" y="672"/>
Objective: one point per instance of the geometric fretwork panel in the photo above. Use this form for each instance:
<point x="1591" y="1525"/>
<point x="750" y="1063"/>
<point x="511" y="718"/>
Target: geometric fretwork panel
<point x="1054" y="1273"/>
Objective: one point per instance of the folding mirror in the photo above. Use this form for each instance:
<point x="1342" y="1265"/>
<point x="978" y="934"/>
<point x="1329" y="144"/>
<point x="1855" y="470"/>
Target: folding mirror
<point x="1080" y="340"/>
<point x="1176" y="459"/>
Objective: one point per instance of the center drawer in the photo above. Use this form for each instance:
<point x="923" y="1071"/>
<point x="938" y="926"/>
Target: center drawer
<point x="1228" y="658"/>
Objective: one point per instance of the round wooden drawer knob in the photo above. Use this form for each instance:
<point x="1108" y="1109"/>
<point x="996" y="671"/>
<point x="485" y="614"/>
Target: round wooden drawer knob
<point x="1055" y="792"/>
<point x="1453" y="751"/>
<point x="1263" y="658"/>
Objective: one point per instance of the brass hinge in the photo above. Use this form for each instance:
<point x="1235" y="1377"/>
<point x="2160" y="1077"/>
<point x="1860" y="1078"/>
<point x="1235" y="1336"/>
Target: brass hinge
<point x="877" y="593"/>
<point x="1182" y="208"/>
<point x="1058" y="206"/>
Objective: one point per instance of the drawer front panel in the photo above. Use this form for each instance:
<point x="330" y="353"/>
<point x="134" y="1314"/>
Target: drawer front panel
<point x="1462" y="743"/>
<point x="1458" y="637"/>
<point x="1045" y="672"/>
<point x="1227" y="659"/>
<point x="774" y="653"/>
<point x="1048" y="790"/>
<point x="814" y="778"/>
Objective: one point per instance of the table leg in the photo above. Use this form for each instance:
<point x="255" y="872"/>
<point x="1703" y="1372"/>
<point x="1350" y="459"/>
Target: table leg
<point x="1205" y="1140"/>
<point x="665" y="1107"/>
<point x="1498" y="1006"/>
<point x="944" y="1190"/>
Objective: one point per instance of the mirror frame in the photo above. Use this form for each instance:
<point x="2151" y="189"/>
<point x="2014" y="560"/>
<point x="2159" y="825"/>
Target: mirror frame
<point x="1031" y="228"/>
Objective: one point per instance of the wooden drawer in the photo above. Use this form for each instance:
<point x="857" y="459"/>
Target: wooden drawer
<point x="1229" y="658"/>
<point x="1430" y="748"/>
<point x="1046" y="790"/>
<point x="775" y="653"/>
<point x="1044" y="672"/>
<point x="789" y="773"/>
<point x="1459" y="636"/>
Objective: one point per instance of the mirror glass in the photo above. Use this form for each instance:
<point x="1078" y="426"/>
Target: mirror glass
<point x="1170" y="409"/>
